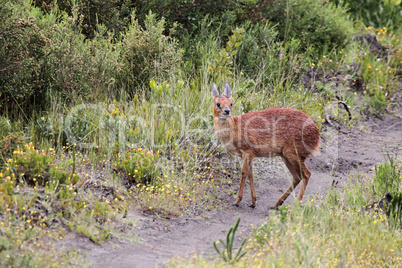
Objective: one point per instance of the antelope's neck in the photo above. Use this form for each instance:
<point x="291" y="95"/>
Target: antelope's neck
<point x="223" y="127"/>
<point x="225" y="131"/>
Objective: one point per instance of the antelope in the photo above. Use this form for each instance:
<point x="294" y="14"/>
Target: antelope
<point x="284" y="132"/>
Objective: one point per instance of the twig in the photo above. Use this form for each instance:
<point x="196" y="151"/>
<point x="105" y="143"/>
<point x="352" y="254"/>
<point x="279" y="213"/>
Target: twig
<point x="346" y="108"/>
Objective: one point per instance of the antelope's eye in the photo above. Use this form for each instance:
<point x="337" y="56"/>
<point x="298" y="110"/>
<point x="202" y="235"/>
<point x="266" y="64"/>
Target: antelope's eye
<point x="231" y="104"/>
<point x="218" y="105"/>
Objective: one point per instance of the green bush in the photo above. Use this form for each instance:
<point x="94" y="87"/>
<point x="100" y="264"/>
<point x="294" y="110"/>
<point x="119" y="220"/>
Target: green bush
<point x="139" y="165"/>
<point x="394" y="210"/>
<point x="114" y="14"/>
<point x="36" y="168"/>
<point x="257" y="43"/>
<point x="79" y="68"/>
<point x="222" y="64"/>
<point x="378" y="102"/>
<point x="147" y="53"/>
<point x="387" y="178"/>
<point x="10" y="139"/>
<point x="22" y="56"/>
<point x="44" y="57"/>
<point x="376" y="13"/>
<point x="320" y="24"/>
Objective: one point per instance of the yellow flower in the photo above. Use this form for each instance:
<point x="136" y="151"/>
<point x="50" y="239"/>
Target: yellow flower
<point x="1" y="175"/>
<point x="150" y="208"/>
<point x="10" y="160"/>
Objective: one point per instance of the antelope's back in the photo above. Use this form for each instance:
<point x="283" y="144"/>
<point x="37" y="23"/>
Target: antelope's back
<point x="278" y="130"/>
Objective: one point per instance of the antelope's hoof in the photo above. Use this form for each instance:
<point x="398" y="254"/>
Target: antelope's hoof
<point x="274" y="208"/>
<point x="252" y="206"/>
<point x="235" y="205"/>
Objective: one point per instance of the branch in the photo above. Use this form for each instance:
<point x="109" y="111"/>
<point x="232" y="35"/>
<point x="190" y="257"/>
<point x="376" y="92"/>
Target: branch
<point x="8" y="69"/>
<point x="346" y="108"/>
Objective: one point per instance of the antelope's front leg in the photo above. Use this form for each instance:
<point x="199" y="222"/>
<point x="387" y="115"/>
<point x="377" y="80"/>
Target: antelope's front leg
<point x="244" y="173"/>
<point x="242" y="182"/>
<point x="251" y="181"/>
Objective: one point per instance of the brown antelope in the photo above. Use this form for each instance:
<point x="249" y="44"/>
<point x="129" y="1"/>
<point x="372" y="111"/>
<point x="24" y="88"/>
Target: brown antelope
<point x="283" y="132"/>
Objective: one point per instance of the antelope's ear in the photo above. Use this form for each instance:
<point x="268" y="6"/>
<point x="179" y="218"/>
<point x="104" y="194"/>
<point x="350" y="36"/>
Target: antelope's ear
<point x="227" y="90"/>
<point x="214" y="90"/>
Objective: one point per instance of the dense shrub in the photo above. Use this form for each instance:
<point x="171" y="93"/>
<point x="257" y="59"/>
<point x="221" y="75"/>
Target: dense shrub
<point x="270" y="61"/>
<point x="139" y="165"/>
<point x="79" y="68"/>
<point x="10" y="139"/>
<point x="258" y="41"/>
<point x="35" y="167"/>
<point x="147" y="53"/>
<point x="376" y="13"/>
<point x="387" y="178"/>
<point x="114" y="14"/>
<point x="21" y="58"/>
<point x="322" y="25"/>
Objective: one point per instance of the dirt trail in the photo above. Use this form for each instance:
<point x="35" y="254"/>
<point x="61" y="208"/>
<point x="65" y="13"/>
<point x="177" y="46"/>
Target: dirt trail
<point x="161" y="239"/>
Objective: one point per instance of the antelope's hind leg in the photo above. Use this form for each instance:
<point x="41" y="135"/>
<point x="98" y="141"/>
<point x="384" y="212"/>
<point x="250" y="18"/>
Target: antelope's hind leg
<point x="252" y="188"/>
<point x="306" y="177"/>
<point x="295" y="171"/>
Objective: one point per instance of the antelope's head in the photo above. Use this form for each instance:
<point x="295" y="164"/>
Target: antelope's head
<point x="222" y="103"/>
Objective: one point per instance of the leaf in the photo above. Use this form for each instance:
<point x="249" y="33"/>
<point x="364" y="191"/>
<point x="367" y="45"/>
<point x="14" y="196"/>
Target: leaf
<point x="216" y="248"/>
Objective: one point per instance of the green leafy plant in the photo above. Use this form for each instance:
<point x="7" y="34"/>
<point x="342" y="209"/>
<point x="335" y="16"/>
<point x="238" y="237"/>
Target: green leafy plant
<point x="378" y="102"/>
<point x="223" y="60"/>
<point x="319" y="24"/>
<point x="80" y="69"/>
<point x="22" y="56"/>
<point x="147" y="53"/>
<point x="36" y="168"/>
<point x="394" y="210"/>
<point x="140" y="165"/>
<point x="9" y="141"/>
<point x="387" y="178"/>
<point x="159" y="89"/>
<point x="375" y="13"/>
<point x="227" y="252"/>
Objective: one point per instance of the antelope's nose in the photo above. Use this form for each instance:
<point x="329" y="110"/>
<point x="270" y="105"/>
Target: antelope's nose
<point x="226" y="111"/>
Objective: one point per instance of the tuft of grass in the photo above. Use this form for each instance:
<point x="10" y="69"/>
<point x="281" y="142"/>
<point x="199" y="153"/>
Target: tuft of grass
<point x="227" y="252"/>
<point x="387" y="178"/>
